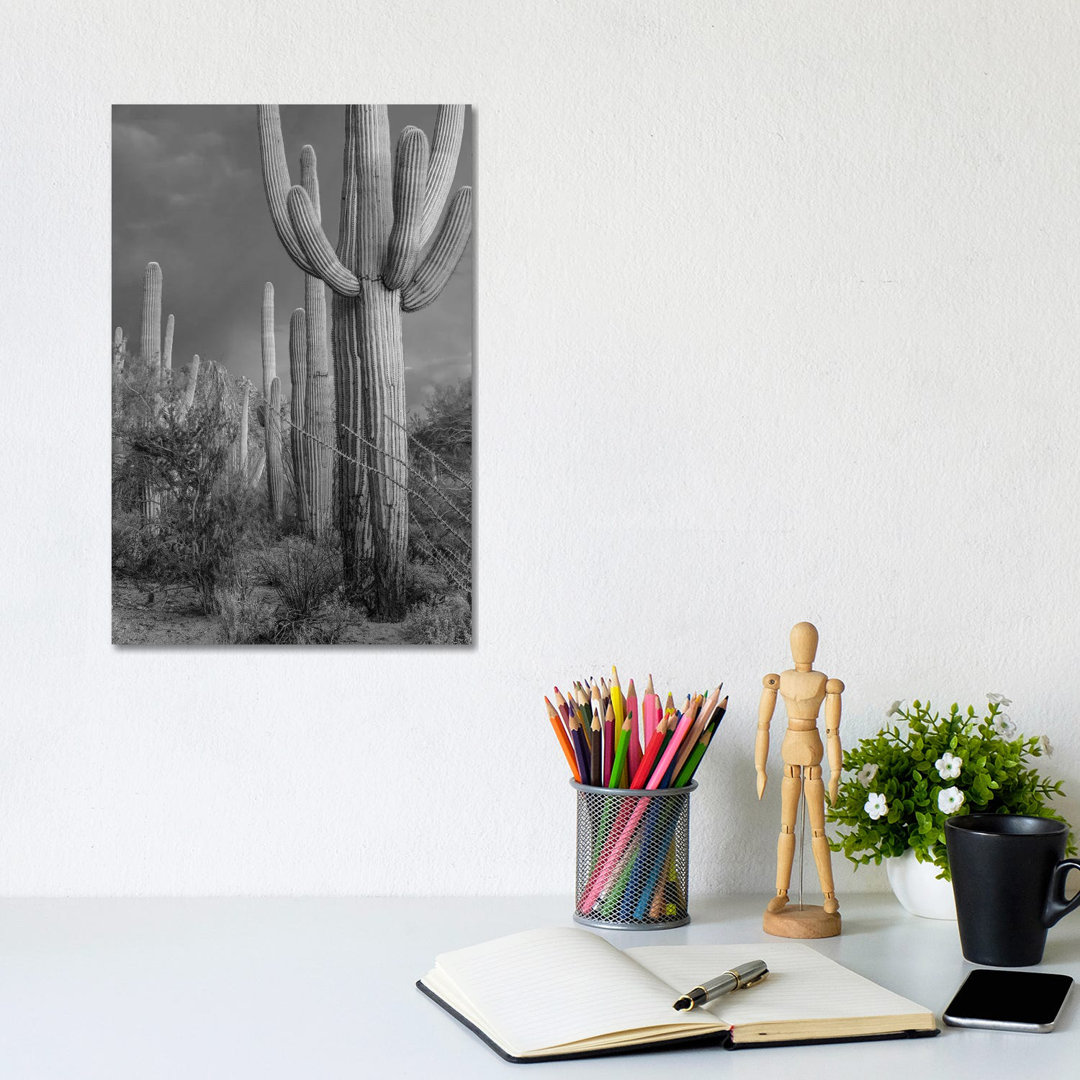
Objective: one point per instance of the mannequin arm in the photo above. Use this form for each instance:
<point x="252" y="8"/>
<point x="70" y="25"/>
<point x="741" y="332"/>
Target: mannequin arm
<point x="833" y="689"/>
<point x="761" y="744"/>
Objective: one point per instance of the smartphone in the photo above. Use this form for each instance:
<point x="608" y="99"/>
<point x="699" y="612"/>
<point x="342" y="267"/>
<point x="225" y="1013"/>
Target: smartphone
<point x="1013" y="1000"/>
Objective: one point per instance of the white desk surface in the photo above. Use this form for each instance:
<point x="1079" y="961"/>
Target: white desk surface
<point x="314" y="988"/>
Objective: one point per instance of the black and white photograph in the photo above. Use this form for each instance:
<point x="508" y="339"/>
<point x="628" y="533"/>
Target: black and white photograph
<point x="292" y="413"/>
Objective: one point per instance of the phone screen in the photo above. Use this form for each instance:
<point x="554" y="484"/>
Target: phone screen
<point x="1015" y="1000"/>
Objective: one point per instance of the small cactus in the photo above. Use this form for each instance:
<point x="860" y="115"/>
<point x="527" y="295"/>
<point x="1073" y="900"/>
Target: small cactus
<point x="192" y="381"/>
<point x="166" y="352"/>
<point x="119" y="351"/>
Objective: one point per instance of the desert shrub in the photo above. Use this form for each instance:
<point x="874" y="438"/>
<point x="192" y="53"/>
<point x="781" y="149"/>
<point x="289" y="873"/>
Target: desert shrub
<point x="443" y="622"/>
<point x="136" y="548"/>
<point x="424" y="582"/>
<point x="244" y="617"/>
<point x="303" y="575"/>
<point x="306" y="580"/>
<point x="327" y="626"/>
<point x="177" y="457"/>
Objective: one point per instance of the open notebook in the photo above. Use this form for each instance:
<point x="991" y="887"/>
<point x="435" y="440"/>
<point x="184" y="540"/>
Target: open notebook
<point x="562" y="992"/>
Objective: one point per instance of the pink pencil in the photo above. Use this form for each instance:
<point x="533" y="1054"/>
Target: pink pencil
<point x="603" y="874"/>
<point x="635" y="730"/>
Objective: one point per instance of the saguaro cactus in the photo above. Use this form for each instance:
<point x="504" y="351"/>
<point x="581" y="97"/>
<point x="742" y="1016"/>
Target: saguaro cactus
<point x="269" y="354"/>
<point x="150" y="337"/>
<point x="166" y="352"/>
<point x="389" y="209"/>
<point x="318" y="390"/>
<point x="297" y="442"/>
<point x="243" y="462"/>
<point x="192" y="382"/>
<point x="275" y="478"/>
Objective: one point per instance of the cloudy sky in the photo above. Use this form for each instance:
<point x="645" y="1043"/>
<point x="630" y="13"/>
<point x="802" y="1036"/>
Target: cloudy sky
<point x="188" y="193"/>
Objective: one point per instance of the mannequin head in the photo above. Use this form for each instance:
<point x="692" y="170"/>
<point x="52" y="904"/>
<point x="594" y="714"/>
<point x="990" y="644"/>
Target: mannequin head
<point x="804" y="641"/>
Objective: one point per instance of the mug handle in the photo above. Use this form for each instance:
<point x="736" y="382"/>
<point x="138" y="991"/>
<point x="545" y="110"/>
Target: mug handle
<point x="1056" y="905"/>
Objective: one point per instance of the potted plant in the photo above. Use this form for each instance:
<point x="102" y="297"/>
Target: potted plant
<point x="898" y="788"/>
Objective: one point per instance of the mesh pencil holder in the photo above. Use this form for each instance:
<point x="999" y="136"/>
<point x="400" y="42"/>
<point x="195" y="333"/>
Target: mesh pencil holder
<point x="633" y="857"/>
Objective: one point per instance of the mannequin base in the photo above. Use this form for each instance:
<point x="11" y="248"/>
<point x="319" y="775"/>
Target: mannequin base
<point x="801" y="921"/>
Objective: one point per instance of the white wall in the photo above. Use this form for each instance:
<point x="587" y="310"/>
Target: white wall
<point x="777" y="319"/>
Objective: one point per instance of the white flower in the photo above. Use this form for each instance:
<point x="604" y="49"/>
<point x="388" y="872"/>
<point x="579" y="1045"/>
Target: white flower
<point x="1003" y="725"/>
<point x="998" y="699"/>
<point x="866" y="774"/>
<point x="876" y="806"/>
<point x="950" y="800"/>
<point x="1047" y="748"/>
<point x="895" y="709"/>
<point x="948" y="766"/>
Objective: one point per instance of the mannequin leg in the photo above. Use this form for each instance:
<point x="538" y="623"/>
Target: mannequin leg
<point x="815" y="805"/>
<point x="790" y="790"/>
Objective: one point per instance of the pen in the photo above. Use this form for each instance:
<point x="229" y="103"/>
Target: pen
<point x="738" y="978"/>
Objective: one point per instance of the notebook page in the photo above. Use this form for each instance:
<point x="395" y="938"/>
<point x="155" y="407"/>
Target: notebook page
<point x="545" y="988"/>
<point x="802" y="984"/>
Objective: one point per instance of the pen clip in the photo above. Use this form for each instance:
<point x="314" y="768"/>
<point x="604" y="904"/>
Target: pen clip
<point x="754" y="981"/>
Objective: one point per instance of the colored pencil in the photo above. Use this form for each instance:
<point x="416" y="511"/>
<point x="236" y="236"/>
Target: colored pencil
<point x="609" y="743"/>
<point x="564" y="740"/>
<point x="622" y="749"/>
<point x="596" y="754"/>
<point x="634" y="757"/>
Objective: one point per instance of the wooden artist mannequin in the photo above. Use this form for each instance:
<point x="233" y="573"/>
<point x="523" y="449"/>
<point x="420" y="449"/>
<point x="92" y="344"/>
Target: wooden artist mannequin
<point x="803" y="691"/>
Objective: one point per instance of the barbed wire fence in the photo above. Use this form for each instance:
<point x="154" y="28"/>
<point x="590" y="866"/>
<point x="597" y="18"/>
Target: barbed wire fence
<point x="454" y="559"/>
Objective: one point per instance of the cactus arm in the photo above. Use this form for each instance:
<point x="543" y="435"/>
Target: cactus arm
<point x="276" y="182"/>
<point x="410" y="182"/>
<point x="445" y="147"/>
<point x="269" y="349"/>
<point x="309" y="177"/>
<point x="442" y="259"/>
<point x="321" y="256"/>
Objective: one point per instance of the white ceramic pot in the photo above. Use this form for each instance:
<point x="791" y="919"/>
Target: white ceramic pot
<point x="917" y="886"/>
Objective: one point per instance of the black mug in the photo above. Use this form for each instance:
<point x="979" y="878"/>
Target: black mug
<point x="1008" y="877"/>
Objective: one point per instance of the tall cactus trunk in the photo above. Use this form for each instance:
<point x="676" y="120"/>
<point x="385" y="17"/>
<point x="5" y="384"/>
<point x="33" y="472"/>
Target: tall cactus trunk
<point x="319" y="392"/>
<point x="150" y="349"/>
<point x="243" y="462"/>
<point x="269" y="370"/>
<point x="269" y="350"/>
<point x="298" y="414"/>
<point x="372" y="342"/>
<point x="368" y="355"/>
<point x="275" y="477"/>
<point x="150" y="337"/>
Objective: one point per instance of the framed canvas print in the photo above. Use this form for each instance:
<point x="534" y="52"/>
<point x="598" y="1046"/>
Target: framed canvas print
<point x="292" y="374"/>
